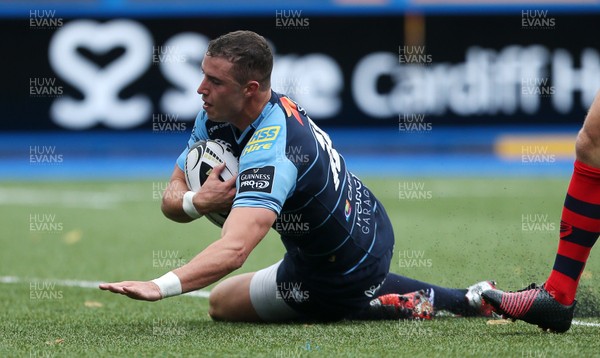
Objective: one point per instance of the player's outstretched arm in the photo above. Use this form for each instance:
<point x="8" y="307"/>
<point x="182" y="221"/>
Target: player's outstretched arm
<point x="243" y="230"/>
<point x="215" y="195"/>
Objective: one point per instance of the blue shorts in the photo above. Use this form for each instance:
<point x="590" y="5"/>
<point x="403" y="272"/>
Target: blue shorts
<point x="331" y="297"/>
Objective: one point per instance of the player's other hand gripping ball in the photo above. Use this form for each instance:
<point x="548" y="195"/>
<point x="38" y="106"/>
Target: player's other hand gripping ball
<point x="202" y="158"/>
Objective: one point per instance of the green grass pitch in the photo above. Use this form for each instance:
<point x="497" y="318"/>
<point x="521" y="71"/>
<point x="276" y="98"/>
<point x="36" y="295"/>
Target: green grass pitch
<point x="452" y="232"/>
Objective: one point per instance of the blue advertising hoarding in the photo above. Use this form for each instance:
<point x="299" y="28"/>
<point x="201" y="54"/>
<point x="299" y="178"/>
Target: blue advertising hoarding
<point x="376" y="71"/>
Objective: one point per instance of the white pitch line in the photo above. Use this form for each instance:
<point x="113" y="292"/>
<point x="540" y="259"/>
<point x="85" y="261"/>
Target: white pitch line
<point x="66" y="198"/>
<point x="81" y="284"/>
<point x="586" y="324"/>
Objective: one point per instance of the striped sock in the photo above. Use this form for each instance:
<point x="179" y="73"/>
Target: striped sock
<point x="579" y="230"/>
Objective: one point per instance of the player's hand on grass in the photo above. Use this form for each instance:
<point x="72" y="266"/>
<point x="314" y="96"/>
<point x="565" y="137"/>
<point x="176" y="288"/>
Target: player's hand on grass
<point x="215" y="195"/>
<point x="138" y="290"/>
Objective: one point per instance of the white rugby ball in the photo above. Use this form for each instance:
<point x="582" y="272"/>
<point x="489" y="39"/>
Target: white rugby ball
<point x="202" y="157"/>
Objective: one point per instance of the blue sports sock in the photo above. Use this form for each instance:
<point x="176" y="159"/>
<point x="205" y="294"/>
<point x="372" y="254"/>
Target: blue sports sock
<point x="451" y="299"/>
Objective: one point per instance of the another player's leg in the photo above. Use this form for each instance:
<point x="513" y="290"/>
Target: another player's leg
<point x="551" y="306"/>
<point x="250" y="297"/>
<point x="403" y="297"/>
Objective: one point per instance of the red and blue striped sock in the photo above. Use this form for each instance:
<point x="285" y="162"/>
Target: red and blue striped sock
<point x="579" y="230"/>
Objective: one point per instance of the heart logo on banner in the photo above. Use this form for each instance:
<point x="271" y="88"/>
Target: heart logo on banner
<point x="100" y="85"/>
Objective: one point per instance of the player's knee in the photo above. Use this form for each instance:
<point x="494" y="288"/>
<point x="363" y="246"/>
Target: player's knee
<point x="228" y="301"/>
<point x="587" y="147"/>
<point x="220" y="306"/>
<point x="215" y="310"/>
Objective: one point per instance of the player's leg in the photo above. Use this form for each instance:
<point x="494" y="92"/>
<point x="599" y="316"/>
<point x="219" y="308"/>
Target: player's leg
<point x="580" y="222"/>
<point x="465" y="302"/>
<point x="551" y="306"/>
<point x="401" y="297"/>
<point x="230" y="300"/>
<point x="250" y="297"/>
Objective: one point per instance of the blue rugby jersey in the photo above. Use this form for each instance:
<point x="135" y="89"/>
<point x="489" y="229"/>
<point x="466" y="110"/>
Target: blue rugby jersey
<point x="329" y="221"/>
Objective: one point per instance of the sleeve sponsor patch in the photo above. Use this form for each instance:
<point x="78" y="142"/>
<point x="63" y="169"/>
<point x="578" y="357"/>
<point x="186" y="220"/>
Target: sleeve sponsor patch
<point x="262" y="139"/>
<point x="257" y="179"/>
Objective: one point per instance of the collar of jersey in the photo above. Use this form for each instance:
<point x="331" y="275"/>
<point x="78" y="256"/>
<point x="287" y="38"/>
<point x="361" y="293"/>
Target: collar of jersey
<point x="265" y="112"/>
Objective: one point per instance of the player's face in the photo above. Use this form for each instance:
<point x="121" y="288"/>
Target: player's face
<point x="223" y="96"/>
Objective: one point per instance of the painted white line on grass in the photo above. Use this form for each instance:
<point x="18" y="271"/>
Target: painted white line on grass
<point x="67" y="198"/>
<point x="81" y="284"/>
<point x="586" y="324"/>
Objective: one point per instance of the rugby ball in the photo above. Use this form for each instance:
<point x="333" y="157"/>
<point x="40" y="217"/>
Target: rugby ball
<point x="202" y="157"/>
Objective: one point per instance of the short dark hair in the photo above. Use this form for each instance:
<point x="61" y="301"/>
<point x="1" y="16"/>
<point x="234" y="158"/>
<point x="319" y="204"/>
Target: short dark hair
<point x="250" y="54"/>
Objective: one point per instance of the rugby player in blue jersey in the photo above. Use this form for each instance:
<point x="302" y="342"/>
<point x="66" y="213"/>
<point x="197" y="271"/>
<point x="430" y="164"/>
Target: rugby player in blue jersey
<point x="339" y="240"/>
